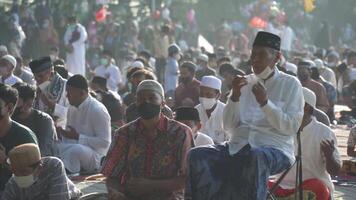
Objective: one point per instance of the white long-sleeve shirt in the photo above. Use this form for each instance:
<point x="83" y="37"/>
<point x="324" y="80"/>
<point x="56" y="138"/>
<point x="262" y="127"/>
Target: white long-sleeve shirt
<point x="91" y="120"/>
<point x="273" y="125"/>
<point x="213" y="125"/>
<point x="313" y="159"/>
<point x="112" y="74"/>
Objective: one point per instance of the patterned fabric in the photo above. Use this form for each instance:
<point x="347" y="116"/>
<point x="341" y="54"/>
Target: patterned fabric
<point x="55" y="89"/>
<point x="351" y="141"/>
<point x="132" y="154"/>
<point x="215" y="175"/>
<point x="51" y="183"/>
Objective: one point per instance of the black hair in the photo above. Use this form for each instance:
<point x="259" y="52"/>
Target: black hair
<point x="132" y="71"/>
<point x="78" y="81"/>
<point x="61" y="70"/>
<point x="25" y="91"/>
<point x="190" y="66"/>
<point x="8" y="94"/>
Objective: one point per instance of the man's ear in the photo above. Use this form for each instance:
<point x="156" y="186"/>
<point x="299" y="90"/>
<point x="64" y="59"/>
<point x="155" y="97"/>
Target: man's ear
<point x="278" y="57"/>
<point x="199" y="125"/>
<point x="10" y="108"/>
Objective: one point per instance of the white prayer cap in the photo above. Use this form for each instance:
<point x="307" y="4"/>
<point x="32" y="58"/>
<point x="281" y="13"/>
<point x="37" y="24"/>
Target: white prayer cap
<point x="309" y="97"/>
<point x="211" y="82"/>
<point x="137" y="64"/>
<point x="3" y="48"/>
<point x="10" y="59"/>
<point x="203" y="57"/>
<point x="319" y="63"/>
<point x="291" y="67"/>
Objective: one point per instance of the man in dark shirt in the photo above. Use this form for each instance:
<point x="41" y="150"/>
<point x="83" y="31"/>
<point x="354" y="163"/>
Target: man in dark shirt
<point x="187" y="92"/>
<point x="11" y="133"/>
<point x="39" y="122"/>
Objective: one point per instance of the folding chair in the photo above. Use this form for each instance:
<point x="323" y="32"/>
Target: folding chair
<point x="298" y="178"/>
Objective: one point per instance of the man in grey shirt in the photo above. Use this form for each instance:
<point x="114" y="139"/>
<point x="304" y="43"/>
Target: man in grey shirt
<point x="36" y="177"/>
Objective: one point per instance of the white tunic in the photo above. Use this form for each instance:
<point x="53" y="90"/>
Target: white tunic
<point x="313" y="160"/>
<point x="213" y="126"/>
<point x="275" y="124"/>
<point x="75" y="61"/>
<point x="11" y="80"/>
<point x="91" y="120"/>
<point x="112" y="74"/>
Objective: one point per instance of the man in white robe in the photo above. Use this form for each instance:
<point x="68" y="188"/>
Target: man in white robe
<point x="87" y="136"/>
<point x="74" y="40"/>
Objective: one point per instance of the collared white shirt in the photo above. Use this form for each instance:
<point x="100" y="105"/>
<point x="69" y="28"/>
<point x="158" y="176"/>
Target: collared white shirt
<point x="213" y="126"/>
<point x="11" y="80"/>
<point x="313" y="159"/>
<point x="273" y="125"/>
<point x="91" y="120"/>
<point x="112" y="74"/>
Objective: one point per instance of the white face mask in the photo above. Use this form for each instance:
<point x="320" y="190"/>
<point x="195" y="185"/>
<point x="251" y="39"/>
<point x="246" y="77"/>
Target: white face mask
<point x="207" y="103"/>
<point x="43" y="86"/>
<point x="265" y="73"/>
<point x="24" y="181"/>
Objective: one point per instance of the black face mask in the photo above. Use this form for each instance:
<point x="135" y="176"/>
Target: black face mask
<point x="148" y="110"/>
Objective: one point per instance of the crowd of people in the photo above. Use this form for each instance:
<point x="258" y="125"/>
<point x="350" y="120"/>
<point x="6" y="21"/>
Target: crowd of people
<point x="162" y="119"/>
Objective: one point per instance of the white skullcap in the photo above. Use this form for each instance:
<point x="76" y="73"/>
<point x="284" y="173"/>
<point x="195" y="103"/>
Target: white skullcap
<point x="151" y="85"/>
<point x="291" y="67"/>
<point x="309" y="97"/>
<point x="3" y="48"/>
<point x="10" y="59"/>
<point x="319" y="63"/>
<point x="211" y="82"/>
<point x="203" y="57"/>
<point x="137" y="64"/>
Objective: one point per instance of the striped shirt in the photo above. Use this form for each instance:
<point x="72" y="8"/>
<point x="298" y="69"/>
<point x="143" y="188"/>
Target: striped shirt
<point x="51" y="184"/>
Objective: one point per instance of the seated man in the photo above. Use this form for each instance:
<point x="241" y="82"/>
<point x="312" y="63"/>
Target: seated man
<point x="39" y="122"/>
<point x="11" y="132"/>
<point x="320" y="156"/>
<point x="190" y="117"/>
<point x="211" y="109"/>
<point x="88" y="135"/>
<point x="262" y="115"/>
<point x="147" y="159"/>
<point x="51" y="91"/>
<point x="37" y="178"/>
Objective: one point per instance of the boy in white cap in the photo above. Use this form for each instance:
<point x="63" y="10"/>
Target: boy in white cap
<point x="36" y="177"/>
<point x="211" y="109"/>
<point x="320" y="156"/>
<point x="7" y="66"/>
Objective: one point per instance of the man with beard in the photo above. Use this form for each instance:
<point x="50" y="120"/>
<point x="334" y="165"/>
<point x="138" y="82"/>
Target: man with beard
<point x="304" y="75"/>
<point x="147" y="159"/>
<point x="51" y="91"/>
<point x="187" y="93"/>
<point x="39" y="122"/>
<point x="11" y="132"/>
<point x="263" y="114"/>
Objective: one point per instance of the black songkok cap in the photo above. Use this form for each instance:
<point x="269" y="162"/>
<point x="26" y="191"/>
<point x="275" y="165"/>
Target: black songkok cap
<point x="267" y="39"/>
<point x="99" y="80"/>
<point x="78" y="81"/>
<point x="40" y="64"/>
<point x="187" y="113"/>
